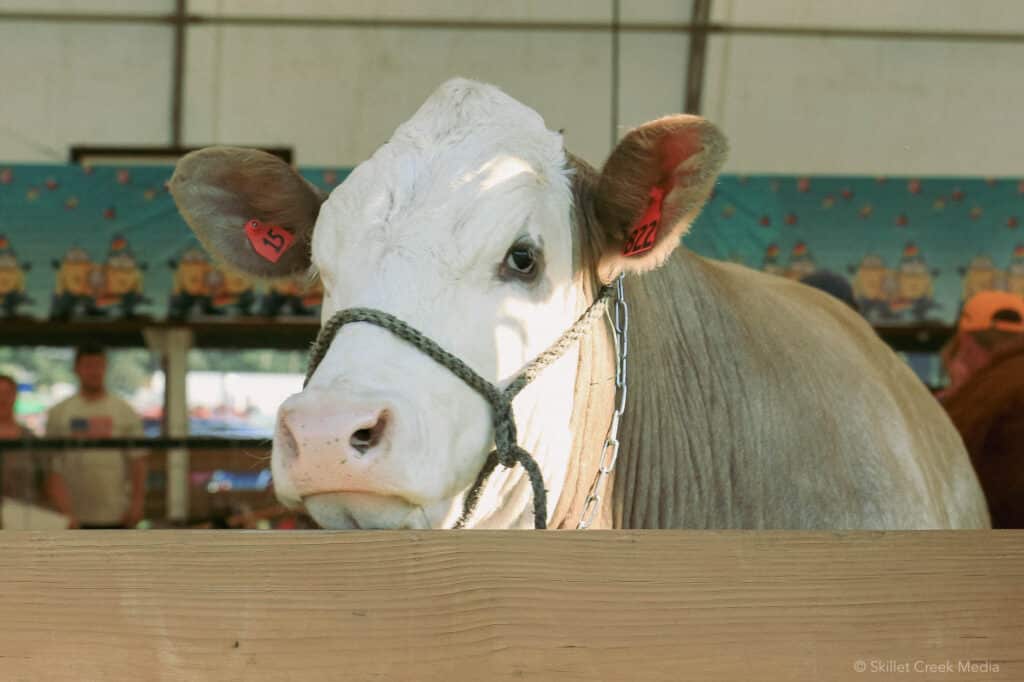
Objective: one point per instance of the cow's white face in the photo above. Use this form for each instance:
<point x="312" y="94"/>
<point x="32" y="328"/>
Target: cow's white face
<point x="461" y="227"/>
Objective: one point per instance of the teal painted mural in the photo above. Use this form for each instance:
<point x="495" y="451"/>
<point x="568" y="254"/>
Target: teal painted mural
<point x="912" y="248"/>
<point x="107" y="243"/>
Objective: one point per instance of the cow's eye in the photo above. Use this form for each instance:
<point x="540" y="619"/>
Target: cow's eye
<point x="522" y="262"/>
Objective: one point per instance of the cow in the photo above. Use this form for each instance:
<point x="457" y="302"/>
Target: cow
<point x="752" y="401"/>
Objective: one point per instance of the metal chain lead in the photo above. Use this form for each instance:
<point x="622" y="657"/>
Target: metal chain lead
<point x="610" y="451"/>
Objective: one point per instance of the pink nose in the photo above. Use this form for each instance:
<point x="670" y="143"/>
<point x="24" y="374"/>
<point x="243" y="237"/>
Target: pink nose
<point x="330" y="446"/>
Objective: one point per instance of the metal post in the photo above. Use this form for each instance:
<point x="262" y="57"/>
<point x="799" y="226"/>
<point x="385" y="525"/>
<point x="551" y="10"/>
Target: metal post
<point x="178" y="75"/>
<point x="173" y="346"/>
<point x="616" y="13"/>
<point x="698" y="50"/>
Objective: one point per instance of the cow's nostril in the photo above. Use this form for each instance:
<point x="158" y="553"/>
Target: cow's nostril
<point x="365" y="439"/>
<point x="361" y="439"/>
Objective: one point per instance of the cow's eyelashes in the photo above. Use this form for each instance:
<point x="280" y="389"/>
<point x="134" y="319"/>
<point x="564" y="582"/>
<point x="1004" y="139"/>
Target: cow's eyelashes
<point x="523" y="262"/>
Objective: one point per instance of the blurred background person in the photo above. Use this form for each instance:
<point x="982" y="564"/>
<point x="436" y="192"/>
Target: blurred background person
<point x="96" y="488"/>
<point x="20" y="470"/>
<point x="985" y="398"/>
<point x="833" y="284"/>
<point x="9" y="427"/>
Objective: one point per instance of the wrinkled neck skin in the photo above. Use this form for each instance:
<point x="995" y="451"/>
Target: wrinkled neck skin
<point x="666" y="476"/>
<point x="730" y="425"/>
<point x="652" y="484"/>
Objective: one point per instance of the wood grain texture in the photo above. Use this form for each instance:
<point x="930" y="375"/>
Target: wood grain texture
<point x="478" y="605"/>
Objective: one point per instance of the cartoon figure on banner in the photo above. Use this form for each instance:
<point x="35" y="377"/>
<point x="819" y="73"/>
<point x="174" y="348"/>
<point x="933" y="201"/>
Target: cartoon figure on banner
<point x="230" y="289"/>
<point x="771" y="261"/>
<point x="195" y="281"/>
<point x="980" y="275"/>
<point x="914" y="286"/>
<point x="12" y="280"/>
<point x="1015" y="273"/>
<point x="122" y="280"/>
<point x="79" y="282"/>
<point x="297" y="295"/>
<point x="872" y="287"/>
<point x="801" y="263"/>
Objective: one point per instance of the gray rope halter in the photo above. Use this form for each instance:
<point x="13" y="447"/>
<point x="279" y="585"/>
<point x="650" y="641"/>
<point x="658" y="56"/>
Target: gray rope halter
<point x="506" y="447"/>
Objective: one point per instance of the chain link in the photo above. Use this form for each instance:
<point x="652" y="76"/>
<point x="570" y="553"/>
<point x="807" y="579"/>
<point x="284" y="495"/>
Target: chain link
<point x="610" y="452"/>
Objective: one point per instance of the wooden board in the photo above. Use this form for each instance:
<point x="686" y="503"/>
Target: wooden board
<point x="476" y="605"/>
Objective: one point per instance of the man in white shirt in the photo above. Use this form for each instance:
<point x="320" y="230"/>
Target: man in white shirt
<point x="96" y="488"/>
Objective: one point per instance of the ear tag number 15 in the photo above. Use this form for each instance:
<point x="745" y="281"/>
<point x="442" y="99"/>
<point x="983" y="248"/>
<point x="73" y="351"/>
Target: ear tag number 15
<point x="269" y="241"/>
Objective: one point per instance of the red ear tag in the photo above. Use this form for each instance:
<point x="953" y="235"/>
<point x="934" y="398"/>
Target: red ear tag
<point x="645" y="232"/>
<point x="269" y="241"/>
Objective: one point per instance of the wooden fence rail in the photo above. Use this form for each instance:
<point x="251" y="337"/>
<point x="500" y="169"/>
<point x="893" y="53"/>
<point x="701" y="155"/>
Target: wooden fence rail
<point x="480" y="605"/>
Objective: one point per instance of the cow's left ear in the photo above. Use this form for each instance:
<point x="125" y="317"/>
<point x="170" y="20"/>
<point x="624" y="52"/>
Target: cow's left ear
<point x="249" y="208"/>
<point x="651" y="188"/>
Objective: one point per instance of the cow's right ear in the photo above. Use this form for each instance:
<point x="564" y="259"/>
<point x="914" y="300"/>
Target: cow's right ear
<point x="250" y="209"/>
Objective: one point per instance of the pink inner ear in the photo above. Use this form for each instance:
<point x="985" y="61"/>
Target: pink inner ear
<point x="644" y="234"/>
<point x="675" y="148"/>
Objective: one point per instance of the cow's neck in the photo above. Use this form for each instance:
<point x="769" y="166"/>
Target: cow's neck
<point x="681" y="433"/>
<point x="594" y="391"/>
<point x="593" y="405"/>
<point x="674" y="466"/>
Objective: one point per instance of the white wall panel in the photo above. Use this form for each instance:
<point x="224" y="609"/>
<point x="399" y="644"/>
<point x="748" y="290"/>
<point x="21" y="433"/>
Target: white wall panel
<point x="657" y="11"/>
<point x="520" y="10"/>
<point x="866" y="106"/>
<point x="653" y="77"/>
<point x="582" y="11"/>
<point x="918" y="15"/>
<point x="70" y="84"/>
<point x="337" y="94"/>
<point x="90" y="6"/>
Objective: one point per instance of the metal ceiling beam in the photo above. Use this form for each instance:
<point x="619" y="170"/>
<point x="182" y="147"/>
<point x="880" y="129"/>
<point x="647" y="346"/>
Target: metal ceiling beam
<point x="86" y="17"/>
<point x="505" y="25"/>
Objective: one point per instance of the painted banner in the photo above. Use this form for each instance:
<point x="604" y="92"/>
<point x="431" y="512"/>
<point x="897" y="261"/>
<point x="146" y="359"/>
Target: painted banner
<point x="107" y="243"/>
<point x="912" y="249"/>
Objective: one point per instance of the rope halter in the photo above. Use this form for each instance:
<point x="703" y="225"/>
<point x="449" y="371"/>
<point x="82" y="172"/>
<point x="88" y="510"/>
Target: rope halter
<point x="506" y="447"/>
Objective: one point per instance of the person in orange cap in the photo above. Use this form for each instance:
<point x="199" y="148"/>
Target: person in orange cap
<point x="985" y="398"/>
<point x="988" y="322"/>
